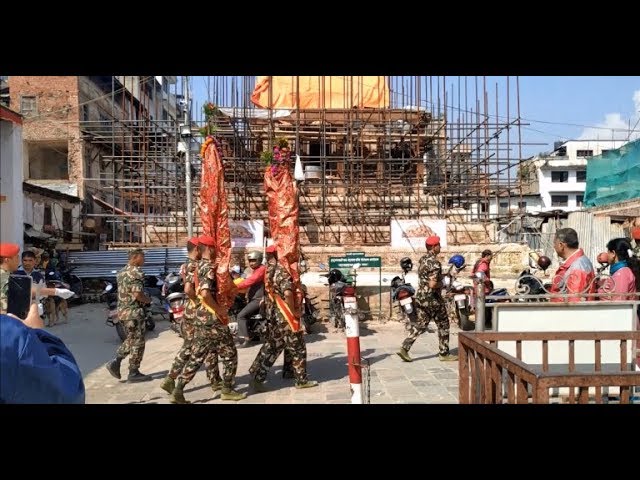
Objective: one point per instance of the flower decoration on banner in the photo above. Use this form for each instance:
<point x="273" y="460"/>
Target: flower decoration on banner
<point x="279" y="157"/>
<point x="210" y="139"/>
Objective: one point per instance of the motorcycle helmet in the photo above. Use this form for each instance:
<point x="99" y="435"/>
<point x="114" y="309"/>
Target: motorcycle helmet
<point x="544" y="262"/>
<point x="603" y="258"/>
<point x="457" y="261"/>
<point x="396" y="282"/>
<point x="334" y="276"/>
<point x="406" y="264"/>
<point x="255" y="255"/>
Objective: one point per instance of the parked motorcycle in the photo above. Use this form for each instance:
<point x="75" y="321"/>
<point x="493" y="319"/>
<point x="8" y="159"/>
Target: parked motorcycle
<point x="310" y="311"/>
<point x="174" y="300"/>
<point x="110" y="294"/>
<point x="461" y="299"/>
<point x="403" y="292"/>
<point x="342" y="295"/>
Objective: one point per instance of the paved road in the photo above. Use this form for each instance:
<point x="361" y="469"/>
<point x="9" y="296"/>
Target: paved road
<point x="426" y="380"/>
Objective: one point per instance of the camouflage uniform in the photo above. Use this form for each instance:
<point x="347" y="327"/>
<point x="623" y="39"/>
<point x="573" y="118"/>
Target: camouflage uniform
<point x="430" y="305"/>
<point x="4" y="290"/>
<point x="187" y="327"/>
<point x="131" y="313"/>
<point x="211" y="338"/>
<point x="280" y="336"/>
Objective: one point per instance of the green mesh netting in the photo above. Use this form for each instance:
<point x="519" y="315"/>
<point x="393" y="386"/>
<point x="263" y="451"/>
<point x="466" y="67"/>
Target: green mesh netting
<point x="614" y="176"/>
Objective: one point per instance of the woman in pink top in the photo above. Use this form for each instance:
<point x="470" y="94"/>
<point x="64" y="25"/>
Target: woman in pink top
<point x="624" y="269"/>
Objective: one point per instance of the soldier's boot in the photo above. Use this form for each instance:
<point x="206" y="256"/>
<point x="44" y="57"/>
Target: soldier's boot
<point x="135" y="376"/>
<point x="216" y="386"/>
<point x="177" y="396"/>
<point x="113" y="367"/>
<point x="230" y="394"/>
<point x="168" y="384"/>
<point x="448" y="357"/>
<point x="404" y="355"/>
<point x="257" y="386"/>
<point x="307" y="384"/>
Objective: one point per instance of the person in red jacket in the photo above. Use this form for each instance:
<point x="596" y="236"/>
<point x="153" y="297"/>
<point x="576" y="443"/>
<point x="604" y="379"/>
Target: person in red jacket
<point x="484" y="265"/>
<point x="576" y="274"/>
<point x="254" y="284"/>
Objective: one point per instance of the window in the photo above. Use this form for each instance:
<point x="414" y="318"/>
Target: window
<point x="584" y="153"/>
<point x="559" y="177"/>
<point x="28" y="105"/>
<point x="67" y="225"/>
<point x="579" y="200"/>
<point x="581" y="176"/>
<point x="603" y="151"/>
<point x="504" y="204"/>
<point x="559" y="200"/>
<point x="47" y="215"/>
<point x="522" y="204"/>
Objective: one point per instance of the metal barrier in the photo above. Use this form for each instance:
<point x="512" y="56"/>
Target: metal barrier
<point x="490" y="375"/>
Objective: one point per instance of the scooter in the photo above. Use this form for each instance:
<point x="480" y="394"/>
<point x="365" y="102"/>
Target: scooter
<point x="174" y="300"/>
<point x="461" y="297"/>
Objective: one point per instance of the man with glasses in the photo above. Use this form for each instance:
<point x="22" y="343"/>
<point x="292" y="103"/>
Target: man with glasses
<point x="575" y="274"/>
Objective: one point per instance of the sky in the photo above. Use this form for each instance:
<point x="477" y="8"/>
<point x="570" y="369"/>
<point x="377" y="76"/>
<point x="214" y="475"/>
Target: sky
<point x="556" y="108"/>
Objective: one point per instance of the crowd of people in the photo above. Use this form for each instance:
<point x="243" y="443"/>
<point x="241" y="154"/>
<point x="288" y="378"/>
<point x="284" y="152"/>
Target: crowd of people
<point x="38" y="368"/>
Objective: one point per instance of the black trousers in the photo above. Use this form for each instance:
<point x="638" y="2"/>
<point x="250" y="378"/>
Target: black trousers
<point x="252" y="308"/>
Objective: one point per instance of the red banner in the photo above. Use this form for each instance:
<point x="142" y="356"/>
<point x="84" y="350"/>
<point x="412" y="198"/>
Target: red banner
<point x="282" y="196"/>
<point x="214" y="214"/>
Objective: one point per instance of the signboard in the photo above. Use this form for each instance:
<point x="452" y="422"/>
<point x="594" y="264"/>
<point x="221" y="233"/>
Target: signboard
<point x="349" y="261"/>
<point x="412" y="233"/>
<point x="246" y="233"/>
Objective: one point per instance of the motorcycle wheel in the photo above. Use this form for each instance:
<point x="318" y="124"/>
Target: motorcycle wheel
<point x="465" y="323"/>
<point x="338" y="315"/>
<point x="150" y="324"/>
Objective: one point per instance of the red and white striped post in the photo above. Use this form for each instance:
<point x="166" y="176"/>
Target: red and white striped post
<point x="352" y="329"/>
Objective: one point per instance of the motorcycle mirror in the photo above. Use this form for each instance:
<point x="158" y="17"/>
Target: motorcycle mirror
<point x="322" y="266"/>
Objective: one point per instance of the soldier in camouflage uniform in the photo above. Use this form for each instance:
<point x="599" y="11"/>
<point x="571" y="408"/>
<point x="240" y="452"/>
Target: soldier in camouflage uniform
<point x="131" y="301"/>
<point x="429" y="303"/>
<point x="280" y="336"/>
<point x="188" y="328"/>
<point x="211" y="336"/>
<point x="9" y="263"/>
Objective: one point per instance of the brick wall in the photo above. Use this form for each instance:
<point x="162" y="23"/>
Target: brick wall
<point x="56" y="116"/>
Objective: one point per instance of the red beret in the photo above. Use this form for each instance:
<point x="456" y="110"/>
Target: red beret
<point x="432" y="240"/>
<point x="271" y="249"/>
<point x="194" y="240"/>
<point x="9" y="250"/>
<point x="206" y="240"/>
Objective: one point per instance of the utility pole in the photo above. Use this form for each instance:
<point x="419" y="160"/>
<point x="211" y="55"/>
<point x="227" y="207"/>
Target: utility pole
<point x="185" y="133"/>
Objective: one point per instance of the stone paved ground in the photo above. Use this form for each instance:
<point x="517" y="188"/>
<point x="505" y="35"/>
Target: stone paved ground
<point x="426" y="380"/>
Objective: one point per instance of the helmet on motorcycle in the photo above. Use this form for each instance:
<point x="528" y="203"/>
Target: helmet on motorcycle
<point x="334" y="276"/>
<point x="406" y="264"/>
<point x="236" y="269"/>
<point x="396" y="282"/>
<point x="544" y="262"/>
<point x="458" y="261"/>
<point x="255" y="255"/>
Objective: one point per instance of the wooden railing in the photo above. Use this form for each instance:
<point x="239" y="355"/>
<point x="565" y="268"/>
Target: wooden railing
<point x="485" y="371"/>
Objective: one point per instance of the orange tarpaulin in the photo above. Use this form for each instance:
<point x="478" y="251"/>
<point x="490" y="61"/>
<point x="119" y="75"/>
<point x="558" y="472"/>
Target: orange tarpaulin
<point x="321" y="92"/>
<point x="214" y="214"/>
<point x="282" y="196"/>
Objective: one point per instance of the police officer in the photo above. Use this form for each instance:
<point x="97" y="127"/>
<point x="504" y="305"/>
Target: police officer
<point x="284" y="316"/>
<point x="131" y="298"/>
<point x="210" y="334"/>
<point x="430" y="304"/>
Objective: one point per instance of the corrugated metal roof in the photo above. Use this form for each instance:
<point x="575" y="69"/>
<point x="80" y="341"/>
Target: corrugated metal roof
<point x="102" y="264"/>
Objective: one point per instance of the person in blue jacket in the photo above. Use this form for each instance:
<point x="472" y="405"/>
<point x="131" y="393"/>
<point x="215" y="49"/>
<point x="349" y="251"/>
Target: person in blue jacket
<point x="36" y="366"/>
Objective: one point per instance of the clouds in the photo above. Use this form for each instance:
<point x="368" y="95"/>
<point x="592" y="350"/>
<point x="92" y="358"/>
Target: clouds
<point x="614" y="126"/>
